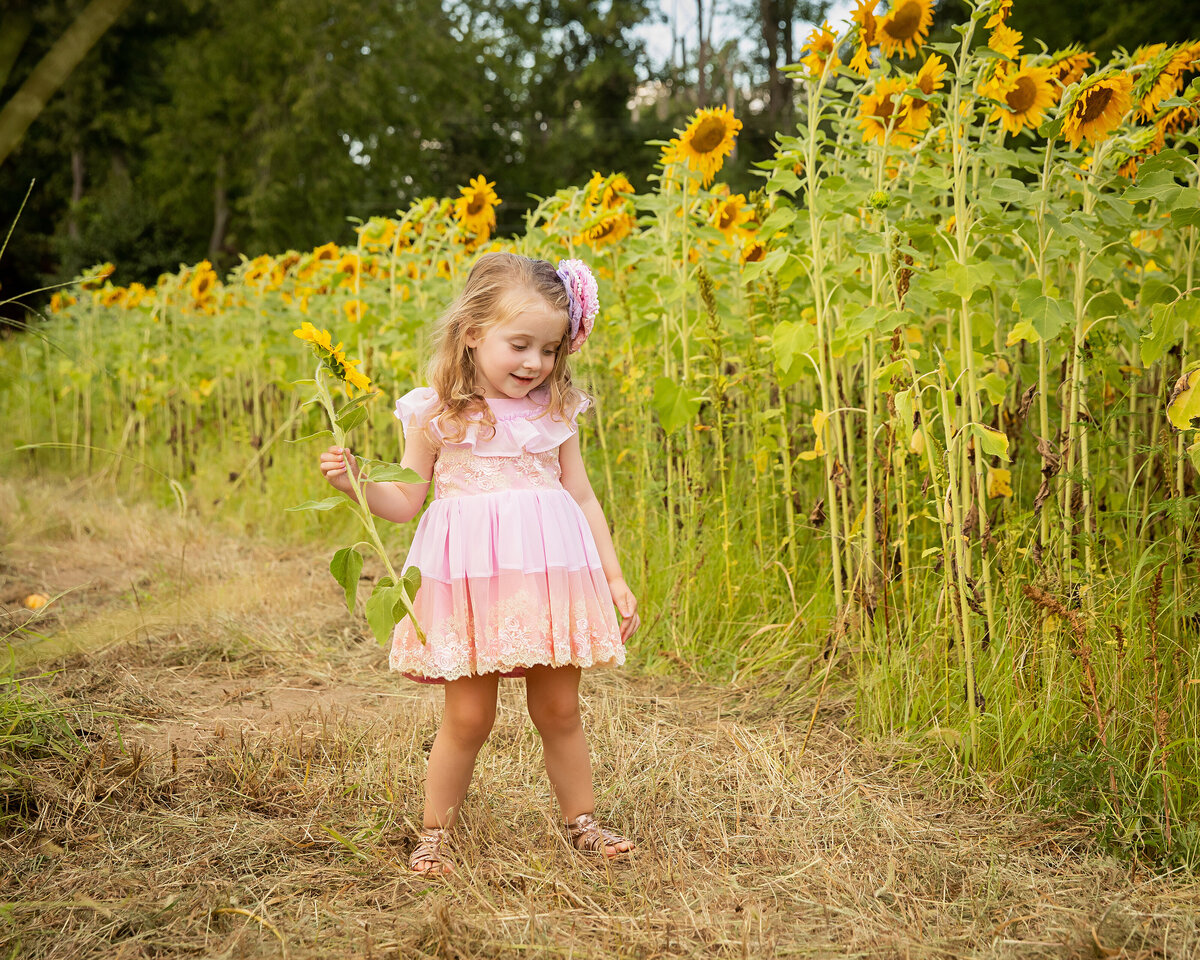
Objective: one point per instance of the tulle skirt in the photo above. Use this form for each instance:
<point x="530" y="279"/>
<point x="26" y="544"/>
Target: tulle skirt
<point x="509" y="580"/>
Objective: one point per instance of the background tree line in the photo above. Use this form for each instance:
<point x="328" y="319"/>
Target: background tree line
<point x="194" y="129"/>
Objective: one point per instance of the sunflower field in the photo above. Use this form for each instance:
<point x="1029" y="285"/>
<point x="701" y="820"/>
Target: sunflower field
<point x="919" y="415"/>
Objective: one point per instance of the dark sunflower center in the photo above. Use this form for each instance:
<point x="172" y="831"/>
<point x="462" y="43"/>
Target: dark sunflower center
<point x="1094" y="102"/>
<point x="708" y="135"/>
<point x="1023" y="95"/>
<point x="905" y="22"/>
<point x="757" y="253"/>
<point x="475" y="207"/>
<point x="887" y="107"/>
<point x="728" y="212"/>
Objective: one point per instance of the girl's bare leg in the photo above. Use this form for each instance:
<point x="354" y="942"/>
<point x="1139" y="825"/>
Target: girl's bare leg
<point x="552" y="695"/>
<point x="469" y="713"/>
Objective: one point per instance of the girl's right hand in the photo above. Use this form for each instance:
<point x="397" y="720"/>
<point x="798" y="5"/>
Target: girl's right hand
<point x="333" y="467"/>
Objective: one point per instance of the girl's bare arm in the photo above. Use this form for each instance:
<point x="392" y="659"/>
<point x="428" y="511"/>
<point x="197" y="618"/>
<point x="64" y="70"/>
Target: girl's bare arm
<point x="398" y="502"/>
<point x="576" y="483"/>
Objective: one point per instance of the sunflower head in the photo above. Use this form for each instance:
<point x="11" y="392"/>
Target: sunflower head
<point x="1000" y="11"/>
<point x="820" y="49"/>
<point x="474" y="208"/>
<point x="1005" y="41"/>
<point x="1027" y="92"/>
<point x="708" y="139"/>
<point x="1097" y="107"/>
<point x="905" y="27"/>
<point x="883" y="113"/>
<point x="1068" y="65"/>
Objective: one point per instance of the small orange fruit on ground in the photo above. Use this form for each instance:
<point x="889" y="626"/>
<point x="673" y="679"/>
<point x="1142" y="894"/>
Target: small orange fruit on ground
<point x="35" y="601"/>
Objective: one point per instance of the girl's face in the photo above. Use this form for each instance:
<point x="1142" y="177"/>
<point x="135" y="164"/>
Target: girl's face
<point x="513" y="358"/>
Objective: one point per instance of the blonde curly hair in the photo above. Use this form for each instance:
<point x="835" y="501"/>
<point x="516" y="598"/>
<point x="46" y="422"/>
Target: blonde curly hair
<point x="498" y="289"/>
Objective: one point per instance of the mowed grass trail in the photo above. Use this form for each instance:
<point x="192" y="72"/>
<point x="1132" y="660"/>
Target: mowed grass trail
<point x="242" y="774"/>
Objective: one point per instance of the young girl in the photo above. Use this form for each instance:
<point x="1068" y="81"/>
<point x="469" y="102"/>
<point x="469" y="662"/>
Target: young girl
<point x="518" y="571"/>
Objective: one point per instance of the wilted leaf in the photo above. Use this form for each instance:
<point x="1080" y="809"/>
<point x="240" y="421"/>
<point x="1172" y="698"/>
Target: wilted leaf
<point x="999" y="482"/>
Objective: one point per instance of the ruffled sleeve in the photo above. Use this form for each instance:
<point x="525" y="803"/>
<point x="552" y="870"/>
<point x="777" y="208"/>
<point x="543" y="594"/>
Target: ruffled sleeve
<point x="415" y="409"/>
<point x="523" y="431"/>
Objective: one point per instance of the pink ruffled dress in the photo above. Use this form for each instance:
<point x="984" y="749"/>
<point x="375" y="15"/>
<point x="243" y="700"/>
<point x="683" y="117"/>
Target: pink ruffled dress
<point x="510" y="574"/>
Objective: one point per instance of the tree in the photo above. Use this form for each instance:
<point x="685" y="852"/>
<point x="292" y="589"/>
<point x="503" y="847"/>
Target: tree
<point x="53" y="69"/>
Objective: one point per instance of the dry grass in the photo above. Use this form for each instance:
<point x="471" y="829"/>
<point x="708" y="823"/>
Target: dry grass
<point x="249" y="773"/>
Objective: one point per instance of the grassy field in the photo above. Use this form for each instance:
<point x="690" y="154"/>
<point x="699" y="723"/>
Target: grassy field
<point x="211" y="759"/>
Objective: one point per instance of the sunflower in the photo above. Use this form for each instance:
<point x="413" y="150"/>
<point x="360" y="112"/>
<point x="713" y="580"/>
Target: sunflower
<point x="593" y="190"/>
<point x="752" y="252"/>
<point x="1177" y="119"/>
<point x="612" y="228"/>
<point x="864" y="16"/>
<point x="355" y="310"/>
<point x="1163" y="75"/>
<point x="1029" y="93"/>
<point x="204" y="280"/>
<point x="999" y="14"/>
<point x="884" y="113"/>
<point x="1097" y="107"/>
<point x="1005" y="41"/>
<point x="474" y="208"/>
<point x="821" y="46"/>
<point x="1069" y="65"/>
<point x="729" y="214"/>
<point x="707" y="140"/>
<point x="928" y="80"/>
<point x="320" y="339"/>
<point x="618" y="189"/>
<point x="905" y="27"/>
<point x="350" y="265"/>
<point x="327" y="252"/>
<point x="334" y="358"/>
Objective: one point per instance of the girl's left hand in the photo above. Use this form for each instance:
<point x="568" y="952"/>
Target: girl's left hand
<point x="627" y="605"/>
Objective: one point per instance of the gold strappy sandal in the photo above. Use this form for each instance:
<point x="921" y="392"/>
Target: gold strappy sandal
<point x="589" y="837"/>
<point x="429" y="850"/>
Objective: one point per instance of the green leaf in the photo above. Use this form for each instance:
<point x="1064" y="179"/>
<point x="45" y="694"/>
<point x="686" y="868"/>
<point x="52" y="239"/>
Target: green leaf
<point x="1009" y="191"/>
<point x="311" y="436"/>
<point x="965" y="279"/>
<point x="379" y="471"/>
<point x="993" y="442"/>
<point x="1047" y="315"/>
<point x="995" y="386"/>
<point x="327" y="504"/>
<point x="789" y="342"/>
<point x="779" y="219"/>
<point x="674" y="404"/>
<point x="1166" y="330"/>
<point x="1159" y="185"/>
<point x="890" y="371"/>
<point x="768" y="264"/>
<point x="351" y="419"/>
<point x="380" y="615"/>
<point x="345" y="566"/>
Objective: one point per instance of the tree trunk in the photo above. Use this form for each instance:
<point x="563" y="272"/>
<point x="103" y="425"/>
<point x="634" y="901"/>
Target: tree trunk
<point x="220" y="212"/>
<point x="53" y="69"/>
<point x="14" y="30"/>
<point x="702" y="55"/>
<point x="76" y="192"/>
<point x="770" y="31"/>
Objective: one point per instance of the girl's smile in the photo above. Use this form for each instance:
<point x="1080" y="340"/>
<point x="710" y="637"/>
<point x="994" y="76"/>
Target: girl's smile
<point x="516" y="357"/>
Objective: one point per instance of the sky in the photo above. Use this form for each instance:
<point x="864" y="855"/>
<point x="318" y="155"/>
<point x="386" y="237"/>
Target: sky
<point x="658" y="35"/>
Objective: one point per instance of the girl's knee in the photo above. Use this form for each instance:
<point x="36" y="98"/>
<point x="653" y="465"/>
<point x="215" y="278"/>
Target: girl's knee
<point x="469" y="724"/>
<point x="553" y="715"/>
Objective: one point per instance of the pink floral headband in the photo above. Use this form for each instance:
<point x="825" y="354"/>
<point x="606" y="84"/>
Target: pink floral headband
<point x="583" y="304"/>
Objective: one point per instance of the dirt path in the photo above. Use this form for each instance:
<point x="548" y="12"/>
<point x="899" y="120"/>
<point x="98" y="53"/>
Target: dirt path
<point x="247" y="771"/>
